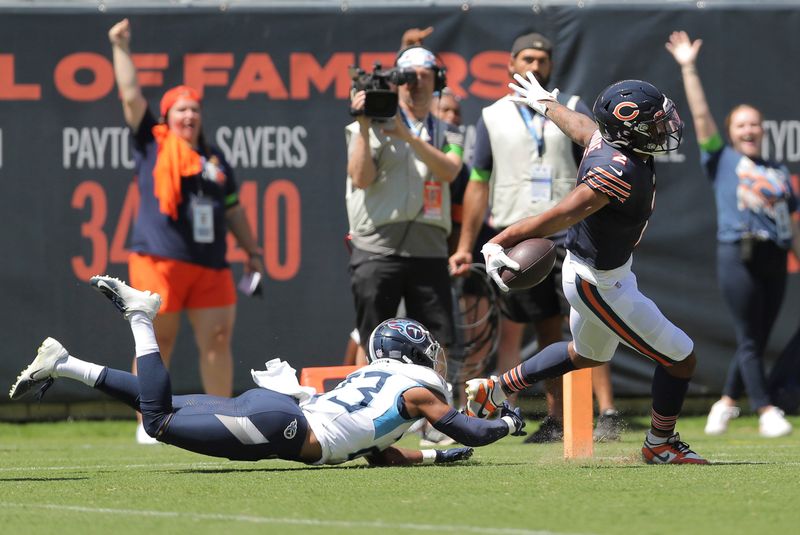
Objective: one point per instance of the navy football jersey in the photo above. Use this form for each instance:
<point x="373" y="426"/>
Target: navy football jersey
<point x="606" y="239"/>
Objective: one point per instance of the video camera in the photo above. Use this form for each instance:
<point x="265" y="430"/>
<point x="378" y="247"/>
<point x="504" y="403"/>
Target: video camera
<point x="381" y="99"/>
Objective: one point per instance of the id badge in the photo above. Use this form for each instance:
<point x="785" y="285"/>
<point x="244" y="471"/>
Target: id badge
<point x="541" y="182"/>
<point x="783" y="221"/>
<point x="203" y="220"/>
<point x="432" y="200"/>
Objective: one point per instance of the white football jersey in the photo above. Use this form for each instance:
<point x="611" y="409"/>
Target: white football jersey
<point x="361" y="415"/>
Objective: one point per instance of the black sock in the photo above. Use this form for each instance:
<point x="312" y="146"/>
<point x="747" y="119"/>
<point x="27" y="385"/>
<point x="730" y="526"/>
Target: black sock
<point x="552" y="361"/>
<point x="668" y="395"/>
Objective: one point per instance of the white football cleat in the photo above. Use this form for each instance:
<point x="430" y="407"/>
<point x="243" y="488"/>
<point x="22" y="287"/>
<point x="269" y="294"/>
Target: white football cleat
<point x="41" y="370"/>
<point x="484" y="396"/>
<point x="126" y="299"/>
<point x="718" y="417"/>
<point x="772" y="424"/>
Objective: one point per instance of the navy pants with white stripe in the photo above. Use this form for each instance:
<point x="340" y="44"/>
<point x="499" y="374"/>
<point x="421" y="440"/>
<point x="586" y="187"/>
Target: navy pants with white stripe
<point x="258" y="424"/>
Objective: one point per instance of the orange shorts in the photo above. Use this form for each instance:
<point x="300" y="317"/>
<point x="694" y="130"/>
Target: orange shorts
<point x="181" y="284"/>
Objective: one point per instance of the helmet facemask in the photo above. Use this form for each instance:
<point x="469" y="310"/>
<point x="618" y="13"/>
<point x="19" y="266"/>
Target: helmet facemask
<point x="661" y="134"/>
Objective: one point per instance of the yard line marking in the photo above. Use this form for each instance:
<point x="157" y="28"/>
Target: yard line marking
<point x="289" y="521"/>
<point x="107" y="466"/>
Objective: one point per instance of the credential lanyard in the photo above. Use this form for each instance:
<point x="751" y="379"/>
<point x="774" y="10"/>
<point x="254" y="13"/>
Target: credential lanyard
<point x="417" y="131"/>
<point x="535" y="127"/>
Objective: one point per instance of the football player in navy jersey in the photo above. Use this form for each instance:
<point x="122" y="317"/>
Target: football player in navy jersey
<point x="362" y="417"/>
<point x="606" y="214"/>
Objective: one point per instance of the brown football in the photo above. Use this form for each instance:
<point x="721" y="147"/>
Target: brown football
<point x="536" y="257"/>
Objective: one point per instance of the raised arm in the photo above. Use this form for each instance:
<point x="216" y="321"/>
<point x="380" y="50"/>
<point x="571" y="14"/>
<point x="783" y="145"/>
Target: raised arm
<point x="577" y="126"/>
<point x="685" y="53"/>
<point x="133" y="103"/>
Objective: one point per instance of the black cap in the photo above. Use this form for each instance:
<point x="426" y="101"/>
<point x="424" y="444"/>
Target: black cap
<point x="536" y="41"/>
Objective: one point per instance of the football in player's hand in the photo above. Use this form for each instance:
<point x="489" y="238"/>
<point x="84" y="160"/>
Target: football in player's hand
<point x="536" y="257"/>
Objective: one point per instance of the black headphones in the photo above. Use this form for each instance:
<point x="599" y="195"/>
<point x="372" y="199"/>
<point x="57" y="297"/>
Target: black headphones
<point x="439" y="71"/>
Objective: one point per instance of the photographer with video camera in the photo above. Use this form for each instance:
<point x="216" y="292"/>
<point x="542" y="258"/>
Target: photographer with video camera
<point x="401" y="160"/>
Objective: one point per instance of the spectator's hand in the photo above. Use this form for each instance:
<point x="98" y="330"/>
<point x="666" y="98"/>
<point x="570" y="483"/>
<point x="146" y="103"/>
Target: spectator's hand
<point x="415" y="36"/>
<point x="532" y="93"/>
<point x="397" y="129"/>
<point x="514" y="420"/>
<point x="120" y="34"/>
<point x="255" y="262"/>
<point x="496" y="258"/>
<point x="683" y="49"/>
<point x="452" y="455"/>
<point x="459" y="263"/>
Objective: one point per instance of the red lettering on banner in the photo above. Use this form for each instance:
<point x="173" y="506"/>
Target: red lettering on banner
<point x="9" y="88"/>
<point x="305" y="70"/>
<point x="287" y="192"/>
<point x="99" y="66"/>
<point x="490" y="70"/>
<point x="793" y="262"/>
<point x="456" y="72"/>
<point x="258" y="75"/>
<point x="91" y="229"/>
<point x="130" y="208"/>
<point x="248" y="201"/>
<point x="201" y="70"/>
<point x="367" y="60"/>
<point x="147" y="67"/>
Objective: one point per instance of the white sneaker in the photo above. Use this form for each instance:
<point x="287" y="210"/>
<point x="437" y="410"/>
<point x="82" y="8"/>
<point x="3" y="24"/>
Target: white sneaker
<point x="718" y="417"/>
<point x="41" y="370"/>
<point x="143" y="438"/>
<point x="772" y="424"/>
<point x="126" y="299"/>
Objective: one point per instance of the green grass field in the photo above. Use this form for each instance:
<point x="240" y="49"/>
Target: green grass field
<point x="89" y="477"/>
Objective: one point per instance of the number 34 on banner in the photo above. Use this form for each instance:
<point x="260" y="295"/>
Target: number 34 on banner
<point x="280" y="227"/>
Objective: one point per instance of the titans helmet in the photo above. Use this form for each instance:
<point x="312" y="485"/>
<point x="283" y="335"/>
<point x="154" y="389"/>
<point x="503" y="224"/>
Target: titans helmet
<point x="407" y="341"/>
<point x="635" y="115"/>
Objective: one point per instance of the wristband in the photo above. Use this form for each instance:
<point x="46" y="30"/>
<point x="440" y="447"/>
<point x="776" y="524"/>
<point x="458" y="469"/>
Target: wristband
<point x="428" y="456"/>
<point x="510" y="423"/>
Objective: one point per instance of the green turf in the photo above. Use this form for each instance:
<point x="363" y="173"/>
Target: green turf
<point x="89" y="477"/>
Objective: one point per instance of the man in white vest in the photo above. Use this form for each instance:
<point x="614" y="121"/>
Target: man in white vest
<point x="398" y="204"/>
<point x="523" y="165"/>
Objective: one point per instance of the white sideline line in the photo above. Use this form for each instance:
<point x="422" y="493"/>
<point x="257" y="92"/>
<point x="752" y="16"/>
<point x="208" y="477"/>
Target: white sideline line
<point x="287" y="521"/>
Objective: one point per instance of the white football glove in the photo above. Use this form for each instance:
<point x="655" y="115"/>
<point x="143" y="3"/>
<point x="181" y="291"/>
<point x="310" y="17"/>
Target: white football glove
<point x="495" y="258"/>
<point x="532" y="93"/>
<point x="484" y="396"/>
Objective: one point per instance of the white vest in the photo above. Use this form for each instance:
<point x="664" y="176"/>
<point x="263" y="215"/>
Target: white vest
<point x="515" y="155"/>
<point x="396" y="196"/>
<point x="360" y="416"/>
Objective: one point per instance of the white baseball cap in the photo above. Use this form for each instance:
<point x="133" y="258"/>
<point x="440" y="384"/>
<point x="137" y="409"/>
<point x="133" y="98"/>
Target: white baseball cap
<point x="416" y="57"/>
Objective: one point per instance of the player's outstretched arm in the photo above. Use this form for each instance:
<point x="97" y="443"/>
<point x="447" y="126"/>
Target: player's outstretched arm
<point x="685" y="51"/>
<point x="577" y="126"/>
<point x="394" y="456"/>
<point x="579" y="204"/>
<point x="461" y="428"/>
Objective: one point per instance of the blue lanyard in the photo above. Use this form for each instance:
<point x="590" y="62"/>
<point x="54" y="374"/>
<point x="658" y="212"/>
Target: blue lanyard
<point x="431" y="126"/>
<point x="530" y="122"/>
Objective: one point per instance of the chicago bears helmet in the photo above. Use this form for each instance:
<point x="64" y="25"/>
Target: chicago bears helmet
<point x="408" y="341"/>
<point x="634" y="114"/>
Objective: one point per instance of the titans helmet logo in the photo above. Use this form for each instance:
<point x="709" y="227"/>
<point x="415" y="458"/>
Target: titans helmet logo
<point x="409" y="329"/>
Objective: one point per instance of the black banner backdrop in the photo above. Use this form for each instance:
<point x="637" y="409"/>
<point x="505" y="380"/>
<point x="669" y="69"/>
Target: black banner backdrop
<point x="275" y="90"/>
